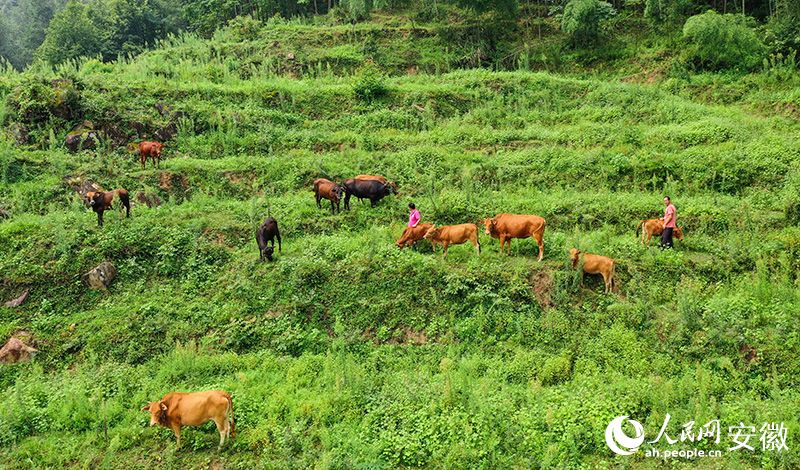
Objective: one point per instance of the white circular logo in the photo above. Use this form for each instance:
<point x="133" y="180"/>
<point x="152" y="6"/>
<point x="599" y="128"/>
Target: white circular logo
<point x="618" y="441"/>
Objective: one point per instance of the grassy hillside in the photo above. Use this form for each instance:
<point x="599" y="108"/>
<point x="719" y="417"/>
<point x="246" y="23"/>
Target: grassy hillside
<point x="349" y="353"/>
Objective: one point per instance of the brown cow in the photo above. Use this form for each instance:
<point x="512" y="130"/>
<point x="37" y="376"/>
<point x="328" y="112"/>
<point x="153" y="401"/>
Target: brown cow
<point x="378" y="178"/>
<point x="101" y="201"/>
<point x="327" y="189"/>
<point x="508" y="226"/>
<point x="17" y="352"/>
<point x="411" y="235"/>
<point x="594" y="264"/>
<point x="653" y="227"/>
<point x="453" y="235"/>
<point x="152" y="150"/>
<point x="194" y="409"/>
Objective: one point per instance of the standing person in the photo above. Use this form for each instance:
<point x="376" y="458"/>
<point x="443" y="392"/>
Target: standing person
<point x="413" y="218"/>
<point x="669" y="224"/>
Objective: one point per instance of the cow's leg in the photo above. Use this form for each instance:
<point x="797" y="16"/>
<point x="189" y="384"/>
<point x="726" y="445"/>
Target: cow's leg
<point x="649" y="236"/>
<point x="177" y="429"/>
<point x="278" y="235"/>
<point x="224" y="429"/>
<point x="319" y="206"/>
<point x="477" y="244"/>
<point x="444" y="245"/>
<point x="540" y="242"/>
<point x="607" y="280"/>
<point x="142" y="158"/>
<point x="100" y="218"/>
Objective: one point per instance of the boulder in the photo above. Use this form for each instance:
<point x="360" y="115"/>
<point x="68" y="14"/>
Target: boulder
<point x="17" y="352"/>
<point x="81" y="141"/>
<point x="101" y="276"/>
<point x="148" y="199"/>
<point x="19" y="300"/>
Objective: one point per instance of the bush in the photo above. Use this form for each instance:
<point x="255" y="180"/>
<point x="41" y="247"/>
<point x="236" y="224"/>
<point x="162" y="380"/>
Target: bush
<point x="723" y="41"/>
<point x="368" y="81"/>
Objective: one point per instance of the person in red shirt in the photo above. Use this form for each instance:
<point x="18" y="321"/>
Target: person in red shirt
<point x="413" y="218"/>
<point x="669" y="224"/>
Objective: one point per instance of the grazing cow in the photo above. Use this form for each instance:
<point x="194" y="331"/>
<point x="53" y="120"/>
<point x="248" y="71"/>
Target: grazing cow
<point x="267" y="233"/>
<point x="17" y="352"/>
<point x="653" y="227"/>
<point x="194" y="409"/>
<point x="378" y="178"/>
<point x="368" y="189"/>
<point x="101" y="201"/>
<point x="152" y="150"/>
<point x="453" y="235"/>
<point x="508" y="226"/>
<point x="411" y="235"/>
<point x="594" y="264"/>
<point x="327" y="189"/>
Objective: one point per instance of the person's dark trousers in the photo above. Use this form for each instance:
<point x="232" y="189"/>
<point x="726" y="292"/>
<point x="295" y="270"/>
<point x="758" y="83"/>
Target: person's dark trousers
<point x="666" y="238"/>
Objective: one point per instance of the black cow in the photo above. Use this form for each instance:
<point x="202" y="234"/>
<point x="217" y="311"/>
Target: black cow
<point x="100" y="202"/>
<point x="267" y="233"/>
<point x="367" y="189"/>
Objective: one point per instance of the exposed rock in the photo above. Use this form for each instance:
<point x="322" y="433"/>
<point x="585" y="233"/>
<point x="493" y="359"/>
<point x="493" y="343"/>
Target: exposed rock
<point x="17" y="352"/>
<point x="116" y="136"/>
<point x="148" y="199"/>
<point x="167" y="132"/>
<point x="81" y="141"/>
<point x="138" y="127"/>
<point x="101" y="276"/>
<point x="20" y="133"/>
<point x="164" y="109"/>
<point x="290" y="56"/>
<point x="19" y="300"/>
<point x="62" y="88"/>
<point x="82" y="186"/>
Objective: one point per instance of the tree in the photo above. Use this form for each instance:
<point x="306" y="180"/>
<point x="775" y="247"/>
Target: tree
<point x="723" y="41"/>
<point x="582" y="19"/>
<point x="71" y="33"/>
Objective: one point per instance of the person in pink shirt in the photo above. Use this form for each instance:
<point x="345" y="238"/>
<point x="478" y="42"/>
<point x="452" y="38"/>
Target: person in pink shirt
<point x="669" y="224"/>
<point x="413" y="218"/>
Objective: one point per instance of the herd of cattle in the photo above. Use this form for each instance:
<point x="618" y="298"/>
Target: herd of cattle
<point x="193" y="409"/>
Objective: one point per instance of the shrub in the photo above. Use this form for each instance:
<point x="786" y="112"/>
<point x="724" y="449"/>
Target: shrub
<point x="368" y="81"/>
<point x="723" y="41"/>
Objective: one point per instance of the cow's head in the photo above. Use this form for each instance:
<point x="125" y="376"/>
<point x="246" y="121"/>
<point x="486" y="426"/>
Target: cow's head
<point x="93" y="198"/>
<point x="157" y="146"/>
<point x="337" y="192"/>
<point x="431" y="232"/>
<point x="158" y="412"/>
<point x="574" y="257"/>
<point x="386" y="189"/>
<point x="268" y="251"/>
<point x="679" y="233"/>
<point x="394" y="187"/>
<point x="489" y="224"/>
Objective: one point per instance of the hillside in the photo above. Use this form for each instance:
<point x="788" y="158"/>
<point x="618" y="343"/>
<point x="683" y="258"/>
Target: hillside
<point x="347" y="352"/>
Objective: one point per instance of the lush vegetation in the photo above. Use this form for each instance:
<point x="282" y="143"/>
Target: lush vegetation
<point x="349" y="353"/>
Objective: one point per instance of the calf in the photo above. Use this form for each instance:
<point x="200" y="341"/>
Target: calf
<point x="267" y="233"/>
<point x="327" y="189"/>
<point x="152" y="150"/>
<point x="594" y="264"/>
<point x="453" y="235"/>
<point x="653" y="227"/>
<point x="101" y="202"/>
<point x="194" y="409"/>
<point x="411" y="235"/>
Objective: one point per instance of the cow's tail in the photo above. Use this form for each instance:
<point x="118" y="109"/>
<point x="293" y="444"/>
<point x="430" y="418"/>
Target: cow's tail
<point x="614" y="277"/>
<point x="637" y="227"/>
<point x="233" y="423"/>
